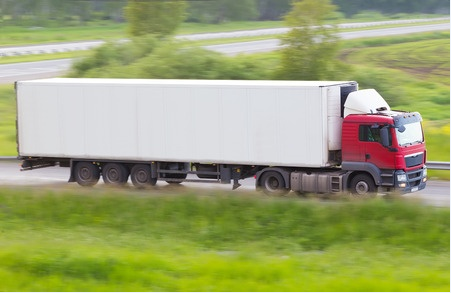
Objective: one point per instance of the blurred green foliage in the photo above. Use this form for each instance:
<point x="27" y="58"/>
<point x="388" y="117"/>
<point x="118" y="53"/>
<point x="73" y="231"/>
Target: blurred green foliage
<point x="220" y="11"/>
<point x="7" y="121"/>
<point x="159" y="18"/>
<point x="162" y="240"/>
<point x="227" y="221"/>
<point x="311" y="48"/>
<point x="166" y="59"/>
<point x="80" y="13"/>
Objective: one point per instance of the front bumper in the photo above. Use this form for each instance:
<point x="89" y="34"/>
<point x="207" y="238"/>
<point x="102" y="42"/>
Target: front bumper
<point x="411" y="181"/>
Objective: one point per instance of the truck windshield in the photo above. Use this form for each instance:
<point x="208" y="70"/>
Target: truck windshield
<point x="411" y="135"/>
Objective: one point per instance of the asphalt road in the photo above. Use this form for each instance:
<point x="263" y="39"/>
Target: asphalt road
<point x="9" y="73"/>
<point x="273" y="44"/>
<point x="437" y="193"/>
<point x="31" y="70"/>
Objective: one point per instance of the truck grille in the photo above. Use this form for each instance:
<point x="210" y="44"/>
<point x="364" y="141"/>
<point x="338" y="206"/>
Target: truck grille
<point x="415" y="177"/>
<point x="414" y="160"/>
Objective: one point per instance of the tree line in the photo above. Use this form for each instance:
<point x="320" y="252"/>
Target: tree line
<point x="79" y="12"/>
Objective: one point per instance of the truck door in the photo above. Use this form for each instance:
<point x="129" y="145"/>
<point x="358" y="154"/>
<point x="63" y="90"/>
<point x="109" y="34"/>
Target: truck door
<point x="372" y="149"/>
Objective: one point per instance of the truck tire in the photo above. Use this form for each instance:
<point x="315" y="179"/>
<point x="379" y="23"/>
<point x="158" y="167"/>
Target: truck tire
<point x="86" y="173"/>
<point x="141" y="176"/>
<point x="272" y="183"/>
<point x="115" y="174"/>
<point x="363" y="185"/>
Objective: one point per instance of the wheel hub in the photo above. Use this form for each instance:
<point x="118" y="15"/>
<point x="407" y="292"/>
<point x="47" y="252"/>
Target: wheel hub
<point x="141" y="176"/>
<point x="85" y="174"/>
<point x="113" y="175"/>
<point x="362" y="187"/>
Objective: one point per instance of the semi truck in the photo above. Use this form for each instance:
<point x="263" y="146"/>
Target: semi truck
<point x="301" y="136"/>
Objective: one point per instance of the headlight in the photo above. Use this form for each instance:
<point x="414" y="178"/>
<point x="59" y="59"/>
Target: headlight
<point x="402" y="177"/>
<point x="425" y="172"/>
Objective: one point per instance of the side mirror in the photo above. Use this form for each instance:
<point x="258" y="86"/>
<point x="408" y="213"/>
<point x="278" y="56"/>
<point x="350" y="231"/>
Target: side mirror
<point x="401" y="128"/>
<point x="384" y="137"/>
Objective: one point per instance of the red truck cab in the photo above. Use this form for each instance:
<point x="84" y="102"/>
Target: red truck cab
<point x="388" y="145"/>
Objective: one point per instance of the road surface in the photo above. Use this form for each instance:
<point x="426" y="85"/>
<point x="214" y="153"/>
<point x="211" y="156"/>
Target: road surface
<point x="273" y="44"/>
<point x="437" y="193"/>
<point x="9" y="73"/>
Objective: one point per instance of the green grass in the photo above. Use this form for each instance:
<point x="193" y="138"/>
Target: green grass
<point x="427" y="60"/>
<point x="24" y="36"/>
<point x="42" y="57"/>
<point x="111" y="240"/>
<point x="367" y="16"/>
<point x="15" y="35"/>
<point x="12" y="35"/>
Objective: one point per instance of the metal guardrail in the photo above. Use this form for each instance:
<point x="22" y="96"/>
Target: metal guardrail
<point x="6" y="158"/>
<point x="432" y="165"/>
<point x="437" y="165"/>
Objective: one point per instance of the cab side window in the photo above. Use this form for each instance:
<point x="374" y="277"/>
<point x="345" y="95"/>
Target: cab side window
<point x="367" y="133"/>
<point x="371" y="134"/>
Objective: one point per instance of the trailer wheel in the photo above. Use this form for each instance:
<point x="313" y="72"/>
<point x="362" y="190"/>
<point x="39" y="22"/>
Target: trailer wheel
<point x="86" y="173"/>
<point x="362" y="185"/>
<point x="115" y="174"/>
<point x="141" y="176"/>
<point x="273" y="183"/>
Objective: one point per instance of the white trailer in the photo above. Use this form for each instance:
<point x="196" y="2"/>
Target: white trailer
<point x="276" y="123"/>
<point x="220" y="130"/>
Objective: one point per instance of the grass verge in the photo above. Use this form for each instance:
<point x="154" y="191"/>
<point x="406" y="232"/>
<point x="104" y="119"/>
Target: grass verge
<point x="109" y="240"/>
<point x="43" y="57"/>
<point x="14" y="35"/>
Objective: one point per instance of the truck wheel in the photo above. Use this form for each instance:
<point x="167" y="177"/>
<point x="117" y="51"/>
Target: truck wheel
<point x="86" y="173"/>
<point x="273" y="184"/>
<point x="362" y="185"/>
<point x="114" y="173"/>
<point x="141" y="176"/>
